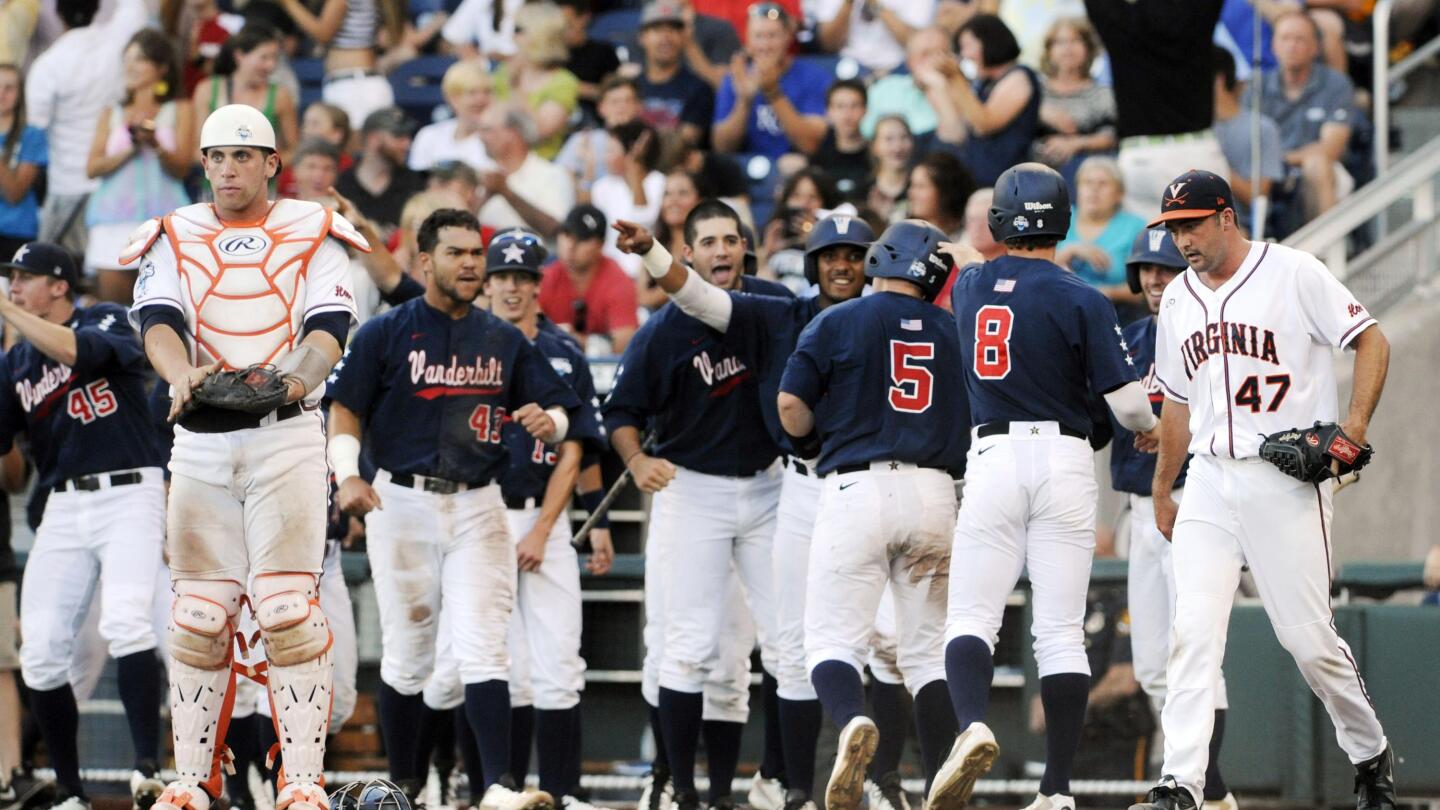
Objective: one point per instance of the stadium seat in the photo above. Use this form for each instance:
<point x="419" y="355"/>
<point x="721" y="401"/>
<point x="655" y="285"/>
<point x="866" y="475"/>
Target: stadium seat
<point x="310" y="73"/>
<point x="763" y="180"/>
<point x="417" y="86"/>
<point x="841" y="67"/>
<point x="616" y="27"/>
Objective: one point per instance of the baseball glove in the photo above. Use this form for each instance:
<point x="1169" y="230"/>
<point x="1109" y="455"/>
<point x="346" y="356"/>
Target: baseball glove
<point x="1316" y="453"/>
<point x="256" y="390"/>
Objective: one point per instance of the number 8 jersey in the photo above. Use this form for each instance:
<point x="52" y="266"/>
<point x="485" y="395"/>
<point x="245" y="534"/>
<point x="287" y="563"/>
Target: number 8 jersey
<point x="1037" y="343"/>
<point x="1255" y="356"/>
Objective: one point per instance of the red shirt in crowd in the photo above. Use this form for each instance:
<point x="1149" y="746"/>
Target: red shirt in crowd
<point x="607" y="304"/>
<point x="736" y="12"/>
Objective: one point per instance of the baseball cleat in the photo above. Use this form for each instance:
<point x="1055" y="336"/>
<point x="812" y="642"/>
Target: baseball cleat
<point x="798" y="800"/>
<point x="145" y="789"/>
<point x="182" y="796"/>
<point x="302" y="796"/>
<point x="71" y="803"/>
<point x="885" y="793"/>
<point x="1226" y="803"/>
<point x="722" y="803"/>
<point x="1168" y="795"/>
<point x="1059" y="801"/>
<point x="502" y="796"/>
<point x="853" y="754"/>
<point x="1375" y="782"/>
<point x="657" y="792"/>
<point x="24" y="791"/>
<point x="687" y="800"/>
<point x="765" y="794"/>
<point x="970" y="758"/>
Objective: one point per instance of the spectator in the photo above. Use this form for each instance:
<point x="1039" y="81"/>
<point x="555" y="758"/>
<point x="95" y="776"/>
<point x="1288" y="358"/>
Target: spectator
<point x="526" y="190"/>
<point x="325" y="122"/>
<point x="1314" y="108"/>
<point x="1101" y="233"/>
<point x="683" y="191"/>
<point x="707" y="44"/>
<point x="891" y="151"/>
<point x="773" y="105"/>
<point x="536" y="78"/>
<point x="349" y="31"/>
<point x="906" y="95"/>
<point x="871" y="32"/>
<point x="1233" y="124"/>
<point x="1028" y="20"/>
<point x="317" y="169"/>
<point x="844" y="154"/>
<point x="951" y="15"/>
<point x="584" y="290"/>
<point x="631" y="188"/>
<point x="583" y="154"/>
<point x="674" y="97"/>
<point x="459" y="179"/>
<point x="17" y="24"/>
<point x="1000" y="110"/>
<point x="740" y="13"/>
<point x="482" y="29"/>
<point x="977" y="224"/>
<point x="590" y="60"/>
<point x="141" y="153"/>
<point x="939" y="188"/>
<point x="245" y="74"/>
<point x="1077" y="115"/>
<point x="23" y="156"/>
<point x="1159" y="59"/>
<point x="801" y="200"/>
<point x="380" y="183"/>
<point x="467" y="90"/>
<point x="69" y="85"/>
<point x="201" y="30"/>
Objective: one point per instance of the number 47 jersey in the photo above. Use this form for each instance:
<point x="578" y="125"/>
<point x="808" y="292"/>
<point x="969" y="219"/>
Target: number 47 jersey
<point x="1037" y="343"/>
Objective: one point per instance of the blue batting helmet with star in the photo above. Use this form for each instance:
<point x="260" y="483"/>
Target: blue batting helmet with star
<point x="515" y="250"/>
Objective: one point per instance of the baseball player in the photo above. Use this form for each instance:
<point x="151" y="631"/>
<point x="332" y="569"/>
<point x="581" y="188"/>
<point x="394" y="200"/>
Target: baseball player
<point x="834" y="262"/>
<point x="546" y="670"/>
<point x="1153" y="263"/>
<point x="870" y="400"/>
<point x="433" y="383"/>
<point x="1243" y="348"/>
<point x="1038" y="347"/>
<point x="238" y="282"/>
<point x="716" y="482"/>
<point x="75" y="386"/>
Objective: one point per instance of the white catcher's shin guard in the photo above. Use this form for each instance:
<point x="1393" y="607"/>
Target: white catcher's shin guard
<point x="297" y="643"/>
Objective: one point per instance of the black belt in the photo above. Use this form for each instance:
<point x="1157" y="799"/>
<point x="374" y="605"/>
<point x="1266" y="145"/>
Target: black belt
<point x="221" y="420"/>
<point x="439" y="486"/>
<point x="91" y="483"/>
<point x="512" y="502"/>
<point x="797" y="465"/>
<point x="1003" y="428"/>
<point x="852" y="468"/>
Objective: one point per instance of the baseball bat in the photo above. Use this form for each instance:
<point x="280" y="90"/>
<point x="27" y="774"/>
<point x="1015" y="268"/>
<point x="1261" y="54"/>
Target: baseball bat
<point x="581" y="538"/>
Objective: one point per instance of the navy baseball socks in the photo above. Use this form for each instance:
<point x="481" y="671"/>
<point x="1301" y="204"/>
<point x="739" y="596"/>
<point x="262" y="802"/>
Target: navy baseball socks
<point x="59" y="720"/>
<point x="969" y="670"/>
<point x="722" y="757"/>
<point x="1215" y="787"/>
<point x="555" y="732"/>
<point x="680" y="722"/>
<point x="772" y="762"/>
<point x="487" y="705"/>
<point x="934" y="725"/>
<point x="841" y="693"/>
<point x="1064" y="697"/>
<point x="889" y="705"/>
<point x="522" y="738"/>
<point x="138" y="677"/>
<point x="838" y="686"/>
<point x="401" y="731"/>
<point x="799" y="730"/>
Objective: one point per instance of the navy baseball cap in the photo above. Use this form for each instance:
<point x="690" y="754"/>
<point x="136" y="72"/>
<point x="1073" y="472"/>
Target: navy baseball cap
<point x="45" y="259"/>
<point x="585" y="221"/>
<point x="515" y="249"/>
<point x="1194" y="195"/>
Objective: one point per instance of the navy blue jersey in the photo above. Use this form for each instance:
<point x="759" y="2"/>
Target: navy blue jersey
<point x="1037" y="343"/>
<point x="83" y="419"/>
<point x="1131" y="470"/>
<point x="774" y="325"/>
<point x="880" y="372"/>
<point x="531" y="460"/>
<point x="435" y="392"/>
<point x="699" y="389"/>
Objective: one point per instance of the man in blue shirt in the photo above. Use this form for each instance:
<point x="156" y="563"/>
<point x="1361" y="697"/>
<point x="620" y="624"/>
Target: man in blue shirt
<point x="771" y="105"/>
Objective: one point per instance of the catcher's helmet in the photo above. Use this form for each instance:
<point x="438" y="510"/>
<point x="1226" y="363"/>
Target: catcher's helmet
<point x="909" y="250"/>
<point x="377" y="794"/>
<point x="1152" y="246"/>
<point x="515" y="250"/>
<point x="836" y="229"/>
<point x="237" y="125"/>
<point x="1031" y="199"/>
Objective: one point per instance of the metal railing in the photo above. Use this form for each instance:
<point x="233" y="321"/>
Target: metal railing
<point x="1402" y="258"/>
<point x="1387" y="74"/>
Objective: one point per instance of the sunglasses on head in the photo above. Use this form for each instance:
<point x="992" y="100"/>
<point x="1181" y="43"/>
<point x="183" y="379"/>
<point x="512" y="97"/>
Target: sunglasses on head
<point x="770" y="11"/>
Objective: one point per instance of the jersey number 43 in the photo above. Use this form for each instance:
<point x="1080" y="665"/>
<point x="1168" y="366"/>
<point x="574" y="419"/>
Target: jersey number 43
<point x="992" y="341"/>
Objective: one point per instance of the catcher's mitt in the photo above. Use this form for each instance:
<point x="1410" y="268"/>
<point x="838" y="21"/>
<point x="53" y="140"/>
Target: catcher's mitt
<point x="256" y="390"/>
<point x="1316" y="453"/>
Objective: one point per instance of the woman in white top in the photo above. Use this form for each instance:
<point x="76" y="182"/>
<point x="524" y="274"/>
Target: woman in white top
<point x="468" y="92"/>
<point x="632" y="189"/>
<point x="351" y="33"/>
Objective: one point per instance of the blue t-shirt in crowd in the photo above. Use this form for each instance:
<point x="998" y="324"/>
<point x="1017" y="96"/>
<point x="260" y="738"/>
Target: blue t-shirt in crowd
<point x="21" y="220"/>
<point x="804" y="84"/>
<point x="1115" y="240"/>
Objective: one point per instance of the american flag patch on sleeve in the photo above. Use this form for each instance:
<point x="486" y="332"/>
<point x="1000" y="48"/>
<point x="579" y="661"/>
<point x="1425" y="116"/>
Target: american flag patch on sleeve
<point x="1005" y="285"/>
<point x="911" y="324"/>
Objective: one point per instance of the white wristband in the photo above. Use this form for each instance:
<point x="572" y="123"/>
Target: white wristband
<point x="344" y="456"/>
<point x="562" y="424"/>
<point x="657" y="260"/>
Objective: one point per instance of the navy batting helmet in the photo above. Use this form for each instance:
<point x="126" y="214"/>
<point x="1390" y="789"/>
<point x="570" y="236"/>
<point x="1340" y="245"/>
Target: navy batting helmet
<point x="515" y="249"/>
<point x="752" y="259"/>
<point x="1031" y="199"/>
<point x="377" y="794"/>
<point x="1152" y="246"/>
<point x="909" y="250"/>
<point x="836" y="229"/>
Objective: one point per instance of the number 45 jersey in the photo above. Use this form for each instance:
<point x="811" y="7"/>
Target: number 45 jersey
<point x="1036" y="342"/>
<point x="89" y="417"/>
<point x="882" y="375"/>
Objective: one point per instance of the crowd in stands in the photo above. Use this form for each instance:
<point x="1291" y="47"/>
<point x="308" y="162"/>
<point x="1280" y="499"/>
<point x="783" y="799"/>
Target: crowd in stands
<point x="564" y="116"/>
